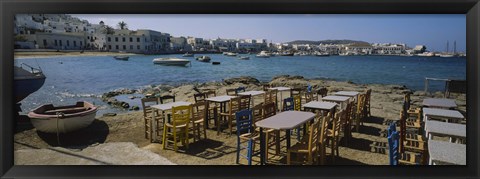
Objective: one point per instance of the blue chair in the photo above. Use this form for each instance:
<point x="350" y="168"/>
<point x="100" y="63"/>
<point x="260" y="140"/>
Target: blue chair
<point x="392" y="128"/>
<point x="393" y="146"/>
<point x="245" y="133"/>
<point x="289" y="105"/>
<point x="309" y="88"/>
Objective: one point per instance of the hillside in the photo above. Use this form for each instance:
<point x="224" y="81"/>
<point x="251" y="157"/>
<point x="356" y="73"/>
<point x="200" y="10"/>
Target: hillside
<point x="327" y="42"/>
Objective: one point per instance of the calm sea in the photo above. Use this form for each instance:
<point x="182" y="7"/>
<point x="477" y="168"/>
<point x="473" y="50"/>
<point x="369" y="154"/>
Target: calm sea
<point x="70" y="79"/>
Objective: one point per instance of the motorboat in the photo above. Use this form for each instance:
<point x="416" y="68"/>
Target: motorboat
<point x="287" y="54"/>
<point x="447" y="55"/>
<point x="63" y="119"/>
<point x="215" y="63"/>
<point x="203" y="58"/>
<point x="225" y="53"/>
<point x="322" y="54"/>
<point x="244" y="58"/>
<point x="27" y="82"/>
<point x="188" y="55"/>
<point x="426" y="54"/>
<point x="263" y="54"/>
<point x="171" y="61"/>
<point x="231" y="54"/>
<point x="124" y="58"/>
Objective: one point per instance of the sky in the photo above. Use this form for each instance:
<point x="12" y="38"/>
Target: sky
<point x="432" y="30"/>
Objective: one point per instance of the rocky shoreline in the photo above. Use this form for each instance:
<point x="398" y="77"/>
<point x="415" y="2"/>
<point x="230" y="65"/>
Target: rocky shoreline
<point x="367" y="146"/>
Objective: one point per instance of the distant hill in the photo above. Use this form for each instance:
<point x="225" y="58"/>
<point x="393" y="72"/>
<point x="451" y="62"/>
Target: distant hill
<point x="328" y="42"/>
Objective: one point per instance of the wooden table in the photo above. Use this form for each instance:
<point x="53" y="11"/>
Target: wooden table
<point x="442" y="114"/>
<point x="253" y="94"/>
<point x="446" y="153"/>
<point x="163" y="108"/>
<point x="439" y="103"/>
<point x="280" y="90"/>
<point x="222" y="100"/>
<point x="353" y="94"/>
<point x="337" y="99"/>
<point x="437" y="128"/>
<point x="282" y="121"/>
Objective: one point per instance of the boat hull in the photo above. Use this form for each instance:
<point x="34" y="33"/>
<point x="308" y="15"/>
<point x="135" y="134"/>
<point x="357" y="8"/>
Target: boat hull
<point x="122" y="58"/>
<point x="62" y="124"/>
<point x="168" y="62"/>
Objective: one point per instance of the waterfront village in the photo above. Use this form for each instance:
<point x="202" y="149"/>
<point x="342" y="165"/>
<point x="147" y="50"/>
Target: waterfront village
<point x="62" y="32"/>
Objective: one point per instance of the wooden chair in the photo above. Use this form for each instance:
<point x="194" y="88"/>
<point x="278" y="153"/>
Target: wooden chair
<point x="199" y="97"/>
<point x="322" y="92"/>
<point x="296" y="91"/>
<point x="165" y="99"/>
<point x="308" y="148"/>
<point x="233" y="107"/>
<point x="199" y="112"/>
<point x="359" y="112"/>
<point x="288" y="104"/>
<point x="179" y="125"/>
<point x="297" y="102"/>
<point x="308" y="97"/>
<point x="334" y="133"/>
<point x="246" y="134"/>
<point x="346" y="129"/>
<point x="270" y="110"/>
<point x="323" y="136"/>
<point x="211" y="106"/>
<point x="245" y="101"/>
<point x="147" y="117"/>
<point x="266" y="86"/>
<point x="271" y="97"/>
<point x="239" y="90"/>
<point x="413" y="143"/>
<point x="395" y="155"/>
<point x="231" y="92"/>
<point x="368" y="94"/>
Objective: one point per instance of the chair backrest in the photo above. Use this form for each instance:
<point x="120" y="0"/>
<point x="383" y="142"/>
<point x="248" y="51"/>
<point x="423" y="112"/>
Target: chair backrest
<point x="244" y="121"/>
<point x="231" y="92"/>
<point x="210" y="93"/>
<point x="314" y="136"/>
<point x="308" y="96"/>
<point x="269" y="110"/>
<point x="322" y="92"/>
<point x="199" y="97"/>
<point x="346" y="116"/>
<point x="240" y="89"/>
<point x="146" y="103"/>
<point x="391" y="128"/>
<point x="337" y="121"/>
<point x="257" y="113"/>
<point x="297" y="101"/>
<point x="181" y="115"/>
<point x="309" y="88"/>
<point x="360" y="104"/>
<point x="271" y="96"/>
<point x="165" y="99"/>
<point x="234" y="105"/>
<point x="245" y="101"/>
<point x="324" y="128"/>
<point x="393" y="145"/>
<point x="368" y="94"/>
<point x="199" y="111"/>
<point x="266" y="86"/>
<point x="296" y="91"/>
<point x="288" y="104"/>
<point x="407" y="101"/>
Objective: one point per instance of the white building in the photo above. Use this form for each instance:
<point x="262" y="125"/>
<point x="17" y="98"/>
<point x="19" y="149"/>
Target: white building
<point x="60" y="41"/>
<point x="389" y="49"/>
<point x="140" y="41"/>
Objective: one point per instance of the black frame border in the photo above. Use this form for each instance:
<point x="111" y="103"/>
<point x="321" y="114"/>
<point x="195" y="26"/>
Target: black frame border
<point x="8" y="8"/>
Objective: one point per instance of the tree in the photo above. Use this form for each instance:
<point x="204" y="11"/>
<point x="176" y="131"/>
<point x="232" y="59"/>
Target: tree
<point x="109" y="30"/>
<point x="122" y="25"/>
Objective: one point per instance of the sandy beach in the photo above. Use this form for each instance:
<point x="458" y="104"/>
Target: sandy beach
<point x="367" y="147"/>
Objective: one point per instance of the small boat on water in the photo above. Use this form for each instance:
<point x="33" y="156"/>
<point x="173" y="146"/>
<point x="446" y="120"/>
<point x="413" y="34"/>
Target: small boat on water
<point x="63" y="119"/>
<point x="231" y="54"/>
<point x="426" y="54"/>
<point x="287" y="54"/>
<point x="446" y="55"/>
<point x="215" y="63"/>
<point x="225" y="53"/>
<point x="320" y="54"/>
<point x="203" y="58"/>
<point x="188" y="55"/>
<point x="171" y="61"/>
<point x="244" y="58"/>
<point x="124" y="58"/>
<point x="26" y="82"/>
<point x="263" y="54"/>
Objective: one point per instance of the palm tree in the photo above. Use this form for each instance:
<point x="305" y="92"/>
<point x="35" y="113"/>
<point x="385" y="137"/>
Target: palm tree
<point x="122" y="25"/>
<point x="109" y="30"/>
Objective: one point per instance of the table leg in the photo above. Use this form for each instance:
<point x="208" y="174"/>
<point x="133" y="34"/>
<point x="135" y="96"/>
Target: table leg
<point x="207" y="107"/>
<point x="262" y="147"/>
<point x="288" y="138"/>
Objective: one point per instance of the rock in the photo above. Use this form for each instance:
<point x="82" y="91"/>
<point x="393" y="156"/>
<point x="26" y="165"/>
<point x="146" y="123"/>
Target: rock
<point x="242" y="79"/>
<point x="280" y="76"/>
<point x="136" y="108"/>
<point x="131" y="97"/>
<point x="110" y="114"/>
<point x="125" y="105"/>
<point x="420" y="93"/>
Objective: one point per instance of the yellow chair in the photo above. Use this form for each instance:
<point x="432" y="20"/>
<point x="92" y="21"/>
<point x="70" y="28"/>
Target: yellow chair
<point x="323" y="136"/>
<point x="368" y="94"/>
<point x="308" y="148"/>
<point x="199" y="112"/>
<point x="179" y="125"/>
<point x="359" y="113"/>
<point x="333" y="134"/>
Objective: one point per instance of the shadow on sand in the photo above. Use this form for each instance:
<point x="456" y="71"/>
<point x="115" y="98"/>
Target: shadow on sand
<point x="97" y="132"/>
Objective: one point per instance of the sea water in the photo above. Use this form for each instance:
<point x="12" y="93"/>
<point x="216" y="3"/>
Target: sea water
<point x="70" y="79"/>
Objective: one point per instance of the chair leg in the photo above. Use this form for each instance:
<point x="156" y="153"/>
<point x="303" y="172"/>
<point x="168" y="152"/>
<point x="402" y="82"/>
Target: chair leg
<point x="238" y="150"/>
<point x="277" y="142"/>
<point x="164" y="141"/>
<point x="204" y="132"/>
<point x="249" y="152"/>
<point x="186" y="137"/>
<point x="289" y="158"/>
<point x="175" y="139"/>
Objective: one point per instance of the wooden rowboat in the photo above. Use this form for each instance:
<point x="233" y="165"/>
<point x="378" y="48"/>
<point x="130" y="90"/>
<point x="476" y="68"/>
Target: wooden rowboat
<point x="63" y="119"/>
